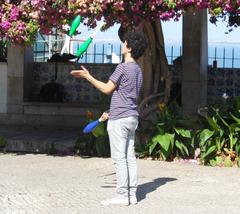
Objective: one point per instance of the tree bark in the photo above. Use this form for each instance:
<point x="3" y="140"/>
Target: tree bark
<point x="157" y="76"/>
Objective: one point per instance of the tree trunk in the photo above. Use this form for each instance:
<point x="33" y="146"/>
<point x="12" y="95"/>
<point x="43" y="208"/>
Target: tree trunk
<point x="156" y="73"/>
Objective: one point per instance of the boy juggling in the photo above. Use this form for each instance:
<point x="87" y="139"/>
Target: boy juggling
<point x="124" y="84"/>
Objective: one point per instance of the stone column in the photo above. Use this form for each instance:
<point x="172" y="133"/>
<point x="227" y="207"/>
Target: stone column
<point x="20" y="61"/>
<point x="195" y="61"/>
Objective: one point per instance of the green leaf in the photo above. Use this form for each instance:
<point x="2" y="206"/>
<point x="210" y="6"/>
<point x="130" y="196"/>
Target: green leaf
<point x="238" y="149"/>
<point x="166" y="143"/>
<point x="185" y="149"/>
<point x="99" y="130"/>
<point x="219" y="160"/>
<point x="217" y="11"/>
<point x="234" y="128"/>
<point x="2" y="142"/>
<point x="228" y="162"/>
<point x="213" y="123"/>
<point x="221" y="132"/>
<point x="160" y="129"/>
<point x="209" y="152"/>
<point x="234" y="141"/>
<point x="212" y="163"/>
<point x="228" y="151"/>
<point x="219" y="143"/>
<point x="183" y="132"/>
<point x="224" y="122"/>
<point x="205" y="135"/>
<point x="102" y="146"/>
<point x="153" y="144"/>
<point x="236" y="119"/>
<point x="181" y="147"/>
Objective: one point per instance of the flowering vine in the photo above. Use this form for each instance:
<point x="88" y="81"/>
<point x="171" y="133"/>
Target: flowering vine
<point x="20" y="20"/>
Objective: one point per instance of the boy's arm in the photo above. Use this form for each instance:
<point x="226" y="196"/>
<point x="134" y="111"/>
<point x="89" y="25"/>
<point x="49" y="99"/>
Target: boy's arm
<point x="106" y="88"/>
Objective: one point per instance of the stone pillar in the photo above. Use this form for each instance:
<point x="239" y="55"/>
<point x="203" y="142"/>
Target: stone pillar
<point x="195" y="61"/>
<point x="3" y="87"/>
<point x="20" y="61"/>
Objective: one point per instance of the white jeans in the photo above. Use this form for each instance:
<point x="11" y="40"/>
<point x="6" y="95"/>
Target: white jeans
<point x="122" y="137"/>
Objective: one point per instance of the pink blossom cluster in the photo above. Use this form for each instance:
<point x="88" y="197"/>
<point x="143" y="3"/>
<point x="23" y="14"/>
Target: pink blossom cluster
<point x="21" y="19"/>
<point x="132" y="12"/>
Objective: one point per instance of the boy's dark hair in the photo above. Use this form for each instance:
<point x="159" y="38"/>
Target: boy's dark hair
<point x="137" y="42"/>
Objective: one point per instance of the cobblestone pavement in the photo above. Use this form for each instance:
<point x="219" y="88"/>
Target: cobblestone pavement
<point x="34" y="184"/>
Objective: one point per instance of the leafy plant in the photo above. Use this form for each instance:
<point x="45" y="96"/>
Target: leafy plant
<point x="101" y="140"/>
<point x="219" y="142"/>
<point x="96" y="142"/>
<point x="2" y="143"/>
<point x="172" y="137"/>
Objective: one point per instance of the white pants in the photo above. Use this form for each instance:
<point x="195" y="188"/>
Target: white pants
<point x="122" y="137"/>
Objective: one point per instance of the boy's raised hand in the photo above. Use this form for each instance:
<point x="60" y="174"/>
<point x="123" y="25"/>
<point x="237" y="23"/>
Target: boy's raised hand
<point x="83" y="73"/>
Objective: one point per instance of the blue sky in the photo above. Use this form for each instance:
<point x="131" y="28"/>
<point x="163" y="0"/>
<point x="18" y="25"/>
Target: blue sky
<point x="215" y="33"/>
<point x="172" y="33"/>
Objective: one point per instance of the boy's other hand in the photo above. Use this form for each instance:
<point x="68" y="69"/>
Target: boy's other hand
<point x="104" y="116"/>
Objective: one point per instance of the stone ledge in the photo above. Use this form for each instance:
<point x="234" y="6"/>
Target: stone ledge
<point x="39" y="139"/>
<point x="43" y="120"/>
<point x="56" y="109"/>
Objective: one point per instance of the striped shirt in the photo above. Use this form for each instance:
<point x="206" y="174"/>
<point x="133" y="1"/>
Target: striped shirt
<point x="128" y="79"/>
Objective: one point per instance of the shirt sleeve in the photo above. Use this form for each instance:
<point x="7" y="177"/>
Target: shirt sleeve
<point x="117" y="75"/>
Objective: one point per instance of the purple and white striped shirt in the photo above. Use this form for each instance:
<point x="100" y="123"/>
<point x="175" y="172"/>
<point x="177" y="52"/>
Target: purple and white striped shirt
<point x="128" y="79"/>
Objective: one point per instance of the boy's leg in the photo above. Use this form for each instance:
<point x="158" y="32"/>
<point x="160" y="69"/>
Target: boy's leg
<point x="131" y="160"/>
<point x="118" y="135"/>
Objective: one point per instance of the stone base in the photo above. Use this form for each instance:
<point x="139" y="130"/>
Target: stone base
<point x="50" y="114"/>
<point x="31" y="139"/>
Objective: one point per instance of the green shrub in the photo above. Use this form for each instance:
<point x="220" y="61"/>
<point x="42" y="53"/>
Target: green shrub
<point x="172" y="137"/>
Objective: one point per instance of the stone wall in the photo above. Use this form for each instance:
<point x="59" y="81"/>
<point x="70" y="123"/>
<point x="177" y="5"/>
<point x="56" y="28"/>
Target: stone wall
<point x="223" y="82"/>
<point x="21" y="83"/>
<point x="76" y="90"/>
<point x="220" y="81"/>
<point x="79" y="95"/>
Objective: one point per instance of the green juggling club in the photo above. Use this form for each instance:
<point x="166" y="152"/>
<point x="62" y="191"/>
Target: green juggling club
<point x="86" y="44"/>
<point x="75" y="24"/>
<point x="84" y="47"/>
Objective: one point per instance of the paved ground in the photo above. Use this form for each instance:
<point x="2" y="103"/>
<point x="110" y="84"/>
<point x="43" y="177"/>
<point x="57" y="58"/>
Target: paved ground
<point x="72" y="185"/>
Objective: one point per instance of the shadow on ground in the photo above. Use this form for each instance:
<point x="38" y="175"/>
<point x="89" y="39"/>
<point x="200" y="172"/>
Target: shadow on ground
<point x="144" y="189"/>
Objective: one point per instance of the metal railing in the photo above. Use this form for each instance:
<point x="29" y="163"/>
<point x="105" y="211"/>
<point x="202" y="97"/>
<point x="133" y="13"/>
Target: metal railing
<point x="46" y="46"/>
<point x="98" y="52"/>
<point x="230" y="60"/>
<point x="106" y="52"/>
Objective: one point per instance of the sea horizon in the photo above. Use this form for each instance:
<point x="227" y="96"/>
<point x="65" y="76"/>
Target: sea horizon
<point x="226" y="53"/>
